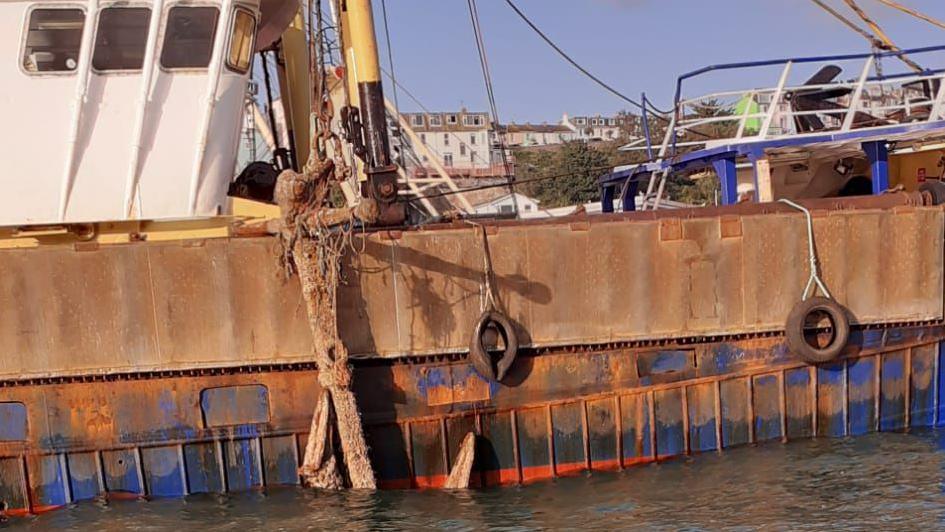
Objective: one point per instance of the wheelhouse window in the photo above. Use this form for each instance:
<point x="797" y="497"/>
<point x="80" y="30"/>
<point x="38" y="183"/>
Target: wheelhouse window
<point x="53" y="40"/>
<point x="241" y="42"/>
<point x="121" y="37"/>
<point x="189" y="36"/>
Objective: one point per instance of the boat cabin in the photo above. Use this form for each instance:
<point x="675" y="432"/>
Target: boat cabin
<point x="121" y="110"/>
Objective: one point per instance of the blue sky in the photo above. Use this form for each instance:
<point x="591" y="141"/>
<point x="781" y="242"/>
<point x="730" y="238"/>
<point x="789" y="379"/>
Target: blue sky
<point x="635" y="45"/>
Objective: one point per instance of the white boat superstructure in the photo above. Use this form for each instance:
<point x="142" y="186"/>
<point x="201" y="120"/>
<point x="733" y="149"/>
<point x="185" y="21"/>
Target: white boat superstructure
<point x="124" y="110"/>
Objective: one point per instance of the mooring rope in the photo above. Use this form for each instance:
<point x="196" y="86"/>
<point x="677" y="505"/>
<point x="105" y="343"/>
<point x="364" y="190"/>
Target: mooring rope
<point x="812" y="255"/>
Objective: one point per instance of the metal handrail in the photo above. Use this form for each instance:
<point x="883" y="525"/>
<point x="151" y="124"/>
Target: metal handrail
<point x="863" y="85"/>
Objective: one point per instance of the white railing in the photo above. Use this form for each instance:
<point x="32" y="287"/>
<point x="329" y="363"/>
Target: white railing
<point x="869" y="101"/>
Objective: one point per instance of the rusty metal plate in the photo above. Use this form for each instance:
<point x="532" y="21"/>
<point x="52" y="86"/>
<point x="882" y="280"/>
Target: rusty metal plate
<point x="160" y="306"/>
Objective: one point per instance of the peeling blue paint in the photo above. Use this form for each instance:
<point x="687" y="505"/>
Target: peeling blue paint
<point x="163" y="473"/>
<point x="235" y="405"/>
<point x="429" y="378"/>
<point x="13" y="425"/>
<point x="862" y="395"/>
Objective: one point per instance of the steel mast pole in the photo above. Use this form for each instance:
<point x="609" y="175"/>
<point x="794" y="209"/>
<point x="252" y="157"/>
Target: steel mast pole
<point x="363" y="66"/>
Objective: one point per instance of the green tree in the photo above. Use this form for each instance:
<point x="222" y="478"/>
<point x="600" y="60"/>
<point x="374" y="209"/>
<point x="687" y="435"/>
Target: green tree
<point x="571" y="170"/>
<point x="577" y="165"/>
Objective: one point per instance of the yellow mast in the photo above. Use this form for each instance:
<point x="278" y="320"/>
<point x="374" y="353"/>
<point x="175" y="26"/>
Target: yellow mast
<point x="366" y="119"/>
<point x="295" y="88"/>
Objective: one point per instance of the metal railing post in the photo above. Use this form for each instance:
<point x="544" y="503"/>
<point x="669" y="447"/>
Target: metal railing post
<point x="671" y="128"/>
<point x="646" y="128"/>
<point x="857" y="94"/>
<point x="776" y="101"/>
<point x="938" y="109"/>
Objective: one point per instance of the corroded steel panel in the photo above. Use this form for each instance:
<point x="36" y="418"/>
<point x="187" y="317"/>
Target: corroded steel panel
<point x="582" y="423"/>
<point x="701" y="402"/>
<point x="224" y="302"/>
<point x="799" y="401"/>
<point x="204" y="468"/>
<point x="85" y="478"/>
<point x="831" y="399"/>
<point x="893" y="406"/>
<point x="861" y="395"/>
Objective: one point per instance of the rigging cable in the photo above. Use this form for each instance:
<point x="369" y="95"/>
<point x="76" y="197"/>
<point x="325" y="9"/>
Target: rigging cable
<point x="877" y="43"/>
<point x="913" y="12"/>
<point x="519" y="182"/>
<point x="390" y="61"/>
<point x="487" y="78"/>
<point x="427" y="110"/>
<point x="882" y="35"/>
<point x="658" y="113"/>
<point x="574" y="63"/>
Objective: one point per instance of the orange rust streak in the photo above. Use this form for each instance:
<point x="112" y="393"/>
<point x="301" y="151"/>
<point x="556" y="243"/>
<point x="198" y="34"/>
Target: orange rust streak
<point x="639" y="460"/>
<point x="432" y="481"/>
<point x="605" y="465"/>
<point x="43" y="508"/>
<point x="570" y="469"/>
<point x="536" y="473"/>
<point x="501" y="477"/>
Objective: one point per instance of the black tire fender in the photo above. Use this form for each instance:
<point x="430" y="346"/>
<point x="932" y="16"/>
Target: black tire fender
<point x="484" y="362"/>
<point x="935" y="190"/>
<point x="794" y="330"/>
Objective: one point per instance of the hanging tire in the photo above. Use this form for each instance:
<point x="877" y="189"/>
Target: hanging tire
<point x="799" y="322"/>
<point x="935" y="190"/>
<point x="493" y="366"/>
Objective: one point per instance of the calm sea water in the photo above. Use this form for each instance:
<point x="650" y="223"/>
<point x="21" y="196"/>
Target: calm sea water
<point x="877" y="481"/>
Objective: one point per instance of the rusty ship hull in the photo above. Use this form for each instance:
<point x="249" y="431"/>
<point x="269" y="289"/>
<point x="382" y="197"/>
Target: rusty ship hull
<point x="165" y="369"/>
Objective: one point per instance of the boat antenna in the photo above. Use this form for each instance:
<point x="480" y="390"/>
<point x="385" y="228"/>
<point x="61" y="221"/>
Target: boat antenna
<point x="487" y="78"/>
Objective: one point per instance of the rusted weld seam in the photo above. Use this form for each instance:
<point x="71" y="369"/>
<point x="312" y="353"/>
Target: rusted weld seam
<point x="235" y="369"/>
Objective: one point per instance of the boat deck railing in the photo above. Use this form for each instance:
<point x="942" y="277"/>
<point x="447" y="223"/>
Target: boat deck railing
<point x="822" y="104"/>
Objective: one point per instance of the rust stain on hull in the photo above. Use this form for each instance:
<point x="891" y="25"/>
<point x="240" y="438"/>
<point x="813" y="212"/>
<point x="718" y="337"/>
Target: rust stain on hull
<point x="165" y="435"/>
<point x="167" y="306"/>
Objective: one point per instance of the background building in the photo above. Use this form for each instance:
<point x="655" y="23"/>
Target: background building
<point x="595" y="128"/>
<point x="505" y="204"/>
<point x="463" y="141"/>
<point x="525" y="135"/>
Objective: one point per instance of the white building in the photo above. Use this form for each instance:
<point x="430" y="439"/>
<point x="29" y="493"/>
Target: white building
<point x="505" y="204"/>
<point x="590" y="128"/>
<point x="463" y="141"/>
<point x="525" y="135"/>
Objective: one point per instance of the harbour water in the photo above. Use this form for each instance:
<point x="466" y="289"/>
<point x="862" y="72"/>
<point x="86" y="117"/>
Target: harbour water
<point x="888" y="480"/>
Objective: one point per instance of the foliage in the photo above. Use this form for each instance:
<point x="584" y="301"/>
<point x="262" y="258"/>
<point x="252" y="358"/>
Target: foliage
<point x="576" y="166"/>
